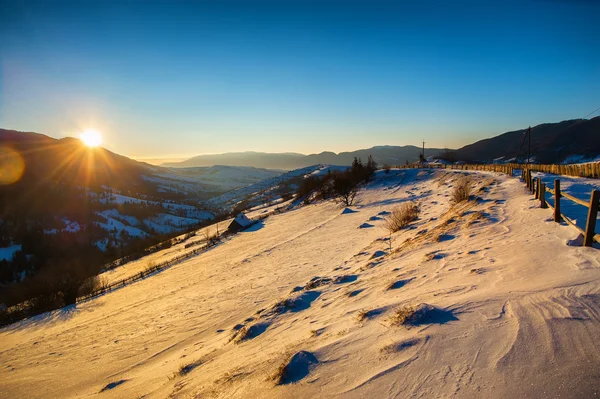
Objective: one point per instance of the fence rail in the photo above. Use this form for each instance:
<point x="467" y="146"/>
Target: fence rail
<point x="538" y="188"/>
<point x="589" y="233"/>
<point x="163" y="265"/>
<point x="591" y="169"/>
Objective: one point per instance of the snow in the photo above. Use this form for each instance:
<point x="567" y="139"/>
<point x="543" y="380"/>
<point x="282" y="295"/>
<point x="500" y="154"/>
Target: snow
<point x="578" y="187"/>
<point x="242" y="220"/>
<point x="165" y="223"/>
<point x="7" y="253"/>
<point x="580" y="159"/>
<point x="115" y="214"/>
<point x="218" y="178"/>
<point x="71" y="227"/>
<point x="121" y="199"/>
<point x="113" y="224"/>
<point x="504" y="308"/>
<point x="263" y="187"/>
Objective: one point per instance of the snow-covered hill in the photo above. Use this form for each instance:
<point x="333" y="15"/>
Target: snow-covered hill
<point x="210" y="180"/>
<point x="270" y="189"/>
<point x="306" y="304"/>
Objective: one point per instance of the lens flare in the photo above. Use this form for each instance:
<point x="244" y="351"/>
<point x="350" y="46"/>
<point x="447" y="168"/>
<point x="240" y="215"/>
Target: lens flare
<point x="12" y="166"/>
<point x="91" y="138"/>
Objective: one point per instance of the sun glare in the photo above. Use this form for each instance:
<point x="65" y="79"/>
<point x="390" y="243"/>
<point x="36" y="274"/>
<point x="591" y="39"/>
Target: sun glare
<point x="91" y="138"/>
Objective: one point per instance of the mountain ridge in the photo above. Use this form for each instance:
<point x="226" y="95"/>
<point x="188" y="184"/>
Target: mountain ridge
<point x="383" y="154"/>
<point x="552" y="142"/>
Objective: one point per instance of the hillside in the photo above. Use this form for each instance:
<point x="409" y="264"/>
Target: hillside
<point x="292" y="306"/>
<point x="391" y="155"/>
<point x="551" y="143"/>
<point x="66" y="207"/>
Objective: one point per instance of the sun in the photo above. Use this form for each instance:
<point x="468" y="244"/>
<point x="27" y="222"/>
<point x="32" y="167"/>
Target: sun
<point x="91" y="138"/>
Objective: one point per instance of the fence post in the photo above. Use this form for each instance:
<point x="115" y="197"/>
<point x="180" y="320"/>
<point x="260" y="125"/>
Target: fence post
<point x="590" y="226"/>
<point x="536" y="186"/>
<point x="531" y="182"/>
<point x="557" y="201"/>
<point x="542" y="194"/>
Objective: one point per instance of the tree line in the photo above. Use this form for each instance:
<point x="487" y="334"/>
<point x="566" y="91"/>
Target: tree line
<point x="341" y="186"/>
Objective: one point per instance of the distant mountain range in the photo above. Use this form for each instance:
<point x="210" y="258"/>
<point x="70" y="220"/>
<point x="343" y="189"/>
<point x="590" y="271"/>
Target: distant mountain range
<point x="564" y="142"/>
<point x="567" y="141"/>
<point x="392" y="155"/>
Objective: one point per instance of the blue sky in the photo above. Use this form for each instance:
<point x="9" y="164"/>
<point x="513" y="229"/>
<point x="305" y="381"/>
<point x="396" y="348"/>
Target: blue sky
<point x="177" y="79"/>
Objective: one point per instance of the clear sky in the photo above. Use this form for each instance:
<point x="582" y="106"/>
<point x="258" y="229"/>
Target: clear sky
<point x="176" y="79"/>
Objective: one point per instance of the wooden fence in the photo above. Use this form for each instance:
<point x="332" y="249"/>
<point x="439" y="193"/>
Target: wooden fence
<point x="163" y="265"/>
<point x="591" y="169"/>
<point x="144" y="273"/>
<point x="539" y="189"/>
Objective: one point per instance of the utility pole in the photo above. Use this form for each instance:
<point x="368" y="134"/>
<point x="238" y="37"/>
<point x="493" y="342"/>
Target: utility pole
<point x="423" y="151"/>
<point x="529" y="150"/>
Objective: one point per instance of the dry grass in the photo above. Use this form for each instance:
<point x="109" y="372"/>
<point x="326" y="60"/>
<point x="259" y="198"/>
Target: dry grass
<point x="186" y="368"/>
<point x="363" y="315"/>
<point x="278" y="375"/>
<point x="229" y="376"/>
<point x="429" y="256"/>
<point x="401" y="216"/>
<point x="239" y="335"/>
<point x="461" y="191"/>
<point x="402" y="315"/>
<point x="475" y="217"/>
<point x="389" y="348"/>
<point x="316" y="282"/>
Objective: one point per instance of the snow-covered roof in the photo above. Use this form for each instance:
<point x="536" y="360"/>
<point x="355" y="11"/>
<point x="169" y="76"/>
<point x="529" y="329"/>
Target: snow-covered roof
<point x="242" y="220"/>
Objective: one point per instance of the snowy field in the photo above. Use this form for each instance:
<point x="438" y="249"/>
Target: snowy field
<point x="515" y="311"/>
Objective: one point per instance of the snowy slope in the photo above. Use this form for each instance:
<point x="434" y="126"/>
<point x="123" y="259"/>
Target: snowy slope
<point x="216" y="179"/>
<point x="264" y="190"/>
<point x="517" y="308"/>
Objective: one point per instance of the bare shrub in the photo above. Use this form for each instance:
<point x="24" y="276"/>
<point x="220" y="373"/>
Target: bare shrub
<point x="186" y="368"/>
<point x="476" y="217"/>
<point x="461" y="191"/>
<point x="363" y="315"/>
<point x="401" y="216"/>
<point x="90" y="285"/>
<point x="402" y="315"/>
<point x="279" y="374"/>
<point x="150" y="266"/>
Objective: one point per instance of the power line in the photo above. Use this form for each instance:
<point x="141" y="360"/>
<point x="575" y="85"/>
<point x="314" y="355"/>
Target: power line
<point x="528" y="133"/>
<point x="591" y="113"/>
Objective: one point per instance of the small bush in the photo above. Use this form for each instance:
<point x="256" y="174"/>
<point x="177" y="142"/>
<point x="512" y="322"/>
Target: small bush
<point x="363" y="315"/>
<point x="401" y="216"/>
<point x="402" y="315"/>
<point x="461" y="190"/>
<point x="279" y="374"/>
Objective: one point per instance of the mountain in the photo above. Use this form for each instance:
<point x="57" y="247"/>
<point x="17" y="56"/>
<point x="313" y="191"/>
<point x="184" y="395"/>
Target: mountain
<point x="69" y="162"/>
<point x="565" y="141"/>
<point x="65" y="206"/>
<point x="393" y="155"/>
